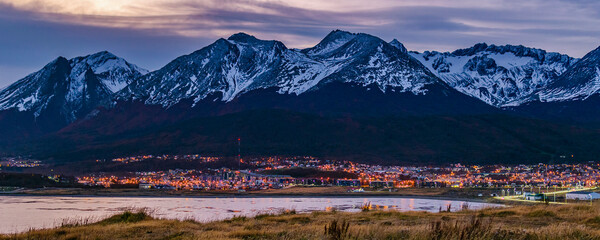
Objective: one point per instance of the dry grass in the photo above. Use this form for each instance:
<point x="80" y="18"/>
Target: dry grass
<point x="519" y="222"/>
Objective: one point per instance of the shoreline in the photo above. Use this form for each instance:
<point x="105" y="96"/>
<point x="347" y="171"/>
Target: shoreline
<point x="259" y="196"/>
<point x="317" y="193"/>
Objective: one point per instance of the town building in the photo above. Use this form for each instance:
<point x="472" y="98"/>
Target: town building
<point x="582" y="195"/>
<point x="534" y="197"/>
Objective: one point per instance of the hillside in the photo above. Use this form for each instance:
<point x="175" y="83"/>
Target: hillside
<point x="393" y="140"/>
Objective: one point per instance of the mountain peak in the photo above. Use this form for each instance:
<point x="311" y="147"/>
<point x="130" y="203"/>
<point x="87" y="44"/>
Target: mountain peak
<point x="478" y="47"/>
<point x="245" y="38"/>
<point x="398" y="45"/>
<point x="338" y="34"/>
<point x="332" y="41"/>
<point x="59" y="60"/>
<point x="106" y="63"/>
<point x="242" y="37"/>
<point x="60" y="64"/>
<point x="94" y="58"/>
<point x="104" y="53"/>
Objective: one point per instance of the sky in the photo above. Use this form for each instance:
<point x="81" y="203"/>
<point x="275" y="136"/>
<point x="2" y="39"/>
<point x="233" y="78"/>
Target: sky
<point x="150" y="33"/>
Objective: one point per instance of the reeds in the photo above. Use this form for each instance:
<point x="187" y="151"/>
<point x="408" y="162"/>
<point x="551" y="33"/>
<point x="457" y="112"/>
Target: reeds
<point x="337" y="231"/>
<point x="366" y="207"/>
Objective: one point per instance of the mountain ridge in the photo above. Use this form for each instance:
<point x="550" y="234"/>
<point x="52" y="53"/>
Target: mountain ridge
<point x="244" y="63"/>
<point x="499" y="75"/>
<point x="493" y="96"/>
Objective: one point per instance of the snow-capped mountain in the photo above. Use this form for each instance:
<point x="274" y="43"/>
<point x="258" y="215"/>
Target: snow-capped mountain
<point x="242" y="63"/>
<point x="367" y="60"/>
<point x="374" y="96"/>
<point x="498" y="75"/>
<point x="579" y="82"/>
<point x="230" y="68"/>
<point x="70" y="88"/>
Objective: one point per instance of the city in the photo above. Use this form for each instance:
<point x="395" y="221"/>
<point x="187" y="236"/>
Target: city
<point x="276" y="172"/>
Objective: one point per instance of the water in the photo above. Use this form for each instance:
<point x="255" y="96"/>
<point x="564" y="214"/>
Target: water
<point x="21" y="213"/>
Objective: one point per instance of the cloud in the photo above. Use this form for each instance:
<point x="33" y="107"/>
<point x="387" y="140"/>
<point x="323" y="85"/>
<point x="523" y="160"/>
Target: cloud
<point x="151" y="32"/>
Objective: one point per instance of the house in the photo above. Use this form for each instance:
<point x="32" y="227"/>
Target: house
<point x="381" y="184"/>
<point x="583" y="195"/>
<point x="348" y="182"/>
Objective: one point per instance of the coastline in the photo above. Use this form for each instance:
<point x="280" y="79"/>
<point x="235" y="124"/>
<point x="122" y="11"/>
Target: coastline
<point x="313" y="192"/>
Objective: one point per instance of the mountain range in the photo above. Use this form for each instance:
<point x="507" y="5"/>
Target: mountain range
<point x="353" y="95"/>
<point x="242" y="63"/>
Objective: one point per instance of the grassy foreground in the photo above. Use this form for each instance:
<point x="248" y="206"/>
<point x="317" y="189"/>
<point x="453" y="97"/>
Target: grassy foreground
<point x="519" y="222"/>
